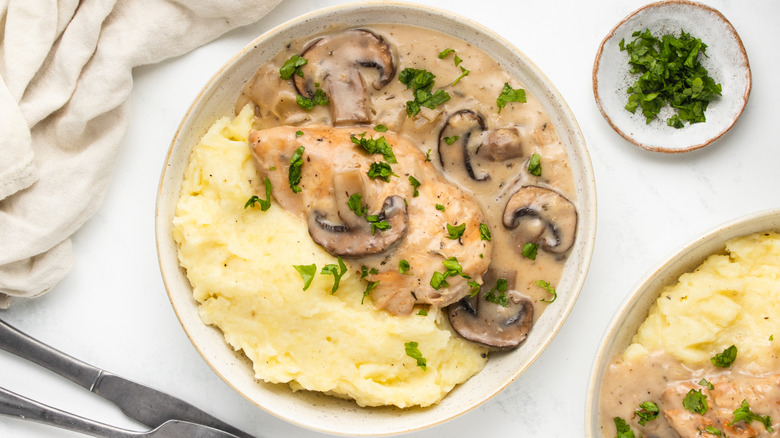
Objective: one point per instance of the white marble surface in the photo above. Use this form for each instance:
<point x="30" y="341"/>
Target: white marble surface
<point x="112" y="310"/>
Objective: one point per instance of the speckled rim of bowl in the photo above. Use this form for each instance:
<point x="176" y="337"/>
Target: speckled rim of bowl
<point x="317" y="411"/>
<point x="700" y="143"/>
<point x="636" y="306"/>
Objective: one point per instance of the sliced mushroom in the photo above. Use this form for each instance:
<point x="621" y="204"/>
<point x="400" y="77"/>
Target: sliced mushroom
<point x="502" y="144"/>
<point x="334" y="64"/>
<point x="542" y="216"/>
<point x="479" y="320"/>
<point x="341" y="239"/>
<point x="346" y="184"/>
<point x="468" y="127"/>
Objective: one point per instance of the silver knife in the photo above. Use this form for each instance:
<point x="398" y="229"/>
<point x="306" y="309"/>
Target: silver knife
<point x="139" y="402"/>
<point x="15" y="405"/>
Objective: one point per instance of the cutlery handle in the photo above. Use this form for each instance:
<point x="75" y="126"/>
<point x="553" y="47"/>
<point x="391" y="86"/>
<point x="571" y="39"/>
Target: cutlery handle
<point x="15" y="405"/>
<point x="22" y="345"/>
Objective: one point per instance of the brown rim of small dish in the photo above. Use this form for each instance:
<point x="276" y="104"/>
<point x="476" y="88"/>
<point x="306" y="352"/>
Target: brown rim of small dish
<point x="661" y="4"/>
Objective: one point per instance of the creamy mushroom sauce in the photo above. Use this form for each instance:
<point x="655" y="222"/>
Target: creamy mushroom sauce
<point x="275" y="105"/>
<point x="661" y="378"/>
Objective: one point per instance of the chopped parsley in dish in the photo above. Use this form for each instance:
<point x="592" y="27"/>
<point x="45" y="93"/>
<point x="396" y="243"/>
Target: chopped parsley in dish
<point x="670" y="73"/>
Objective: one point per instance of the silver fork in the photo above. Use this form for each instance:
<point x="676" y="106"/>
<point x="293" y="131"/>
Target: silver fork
<point x="15" y="405"/>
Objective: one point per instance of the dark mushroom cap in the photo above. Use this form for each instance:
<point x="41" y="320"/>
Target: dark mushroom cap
<point x="334" y="62"/>
<point x="479" y="320"/>
<point x="468" y="126"/>
<point x="542" y="216"/>
<point x="340" y="239"/>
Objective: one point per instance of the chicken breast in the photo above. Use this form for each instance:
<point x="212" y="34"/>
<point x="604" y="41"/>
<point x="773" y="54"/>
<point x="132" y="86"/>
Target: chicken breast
<point x="401" y="231"/>
<point x="727" y="393"/>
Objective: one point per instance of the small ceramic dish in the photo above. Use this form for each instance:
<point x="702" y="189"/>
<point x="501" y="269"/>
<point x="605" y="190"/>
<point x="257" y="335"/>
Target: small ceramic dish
<point x="633" y="312"/>
<point x="315" y="410"/>
<point x="726" y="62"/>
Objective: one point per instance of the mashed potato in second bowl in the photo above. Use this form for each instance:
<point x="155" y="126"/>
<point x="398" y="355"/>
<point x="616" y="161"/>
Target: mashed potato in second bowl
<point x="731" y="299"/>
<point x="676" y="378"/>
<point x="240" y="264"/>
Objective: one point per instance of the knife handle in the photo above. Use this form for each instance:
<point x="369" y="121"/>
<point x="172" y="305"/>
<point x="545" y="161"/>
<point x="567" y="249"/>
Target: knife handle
<point x="24" y="346"/>
<point x="15" y="405"/>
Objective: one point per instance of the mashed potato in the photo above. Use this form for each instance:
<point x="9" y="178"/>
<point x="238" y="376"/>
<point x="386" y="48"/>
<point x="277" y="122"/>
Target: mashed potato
<point x="731" y="299"/>
<point x="240" y="264"/>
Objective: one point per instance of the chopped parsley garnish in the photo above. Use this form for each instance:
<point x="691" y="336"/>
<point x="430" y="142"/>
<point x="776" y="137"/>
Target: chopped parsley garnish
<point x="320" y="98"/>
<point x="456" y="231"/>
<point x="725" y="359"/>
<point x="546" y="285"/>
<point x="529" y="250"/>
<point x="453" y="266"/>
<point x="713" y="430"/>
<point x="423" y="312"/>
<point x="535" y="165"/>
<point x="365" y="272"/>
<point x="705" y="382"/>
<point x="414" y="353"/>
<point x="380" y="128"/>
<point x="744" y="413"/>
<point x="421" y="83"/>
<point x="696" y="402"/>
<point x="294" y="173"/>
<point x="670" y="74"/>
<point x="509" y="94"/>
<point x="369" y="287"/>
<point x="403" y="266"/>
<point x="648" y="411"/>
<point x="298" y="134"/>
<point x="336" y="271"/>
<point x="292" y="66"/>
<point x="499" y="298"/>
<point x="440" y="207"/>
<point x="377" y="224"/>
<point x="307" y="273"/>
<point x="444" y="53"/>
<point x="439" y="280"/>
<point x="355" y="203"/>
<point x="252" y="201"/>
<point x="428" y="155"/>
<point x="452" y="139"/>
<point x="380" y="170"/>
<point x="415" y="185"/>
<point x="484" y="232"/>
<point x="265" y="204"/>
<point x="473" y="288"/>
<point x="623" y="429"/>
<point x="376" y="146"/>
<point x="463" y="74"/>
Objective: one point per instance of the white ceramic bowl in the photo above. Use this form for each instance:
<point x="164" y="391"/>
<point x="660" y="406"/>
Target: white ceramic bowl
<point x="634" y="310"/>
<point x="726" y="62"/>
<point x="317" y="411"/>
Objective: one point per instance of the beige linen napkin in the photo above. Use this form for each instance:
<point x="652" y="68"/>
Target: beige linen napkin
<point x="65" y="77"/>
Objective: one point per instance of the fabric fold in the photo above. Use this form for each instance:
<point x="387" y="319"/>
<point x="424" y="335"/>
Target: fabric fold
<point x="66" y="78"/>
